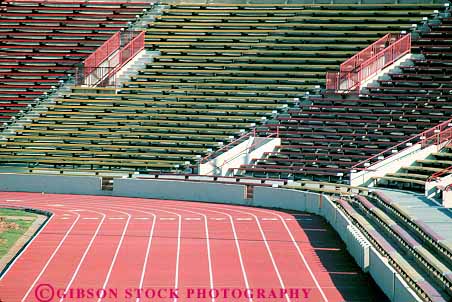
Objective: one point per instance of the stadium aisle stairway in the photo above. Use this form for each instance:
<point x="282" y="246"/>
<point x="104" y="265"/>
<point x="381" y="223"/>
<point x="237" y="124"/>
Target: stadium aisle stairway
<point x="413" y="177"/>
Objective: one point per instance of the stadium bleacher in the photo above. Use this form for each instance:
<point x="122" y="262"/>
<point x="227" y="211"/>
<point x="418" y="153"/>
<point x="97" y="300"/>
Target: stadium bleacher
<point x="42" y="41"/>
<point x="414" y="177"/>
<point x="221" y="70"/>
<point x="330" y="132"/>
<point x="412" y="248"/>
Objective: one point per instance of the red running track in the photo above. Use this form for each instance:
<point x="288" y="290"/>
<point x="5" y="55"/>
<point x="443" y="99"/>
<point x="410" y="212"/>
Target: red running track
<point x="130" y="248"/>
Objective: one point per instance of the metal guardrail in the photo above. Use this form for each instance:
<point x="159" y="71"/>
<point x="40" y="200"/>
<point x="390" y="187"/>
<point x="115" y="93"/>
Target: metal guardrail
<point x="433" y="136"/>
<point x="368" y="62"/>
<point x="100" y="68"/>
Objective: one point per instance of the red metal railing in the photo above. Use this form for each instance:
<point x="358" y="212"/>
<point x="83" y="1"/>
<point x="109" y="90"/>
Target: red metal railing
<point x="368" y="62"/>
<point x="126" y="53"/>
<point x="104" y="72"/>
<point x="433" y="136"/>
<point x="439" y="174"/>
<point x="102" y="53"/>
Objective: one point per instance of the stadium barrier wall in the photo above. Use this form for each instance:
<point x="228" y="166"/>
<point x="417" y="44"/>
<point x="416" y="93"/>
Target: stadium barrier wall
<point x="179" y="190"/>
<point x="304" y="1"/>
<point x="365" y="255"/>
<point x="51" y="184"/>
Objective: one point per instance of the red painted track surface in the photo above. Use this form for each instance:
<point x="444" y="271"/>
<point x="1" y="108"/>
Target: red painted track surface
<point x="119" y="244"/>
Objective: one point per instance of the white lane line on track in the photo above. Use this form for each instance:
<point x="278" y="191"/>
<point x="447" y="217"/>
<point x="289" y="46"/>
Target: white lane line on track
<point x="13" y="200"/>
<point x="239" y="252"/>
<point x="237" y="245"/>
<point x="141" y="218"/>
<point x="247" y="219"/>
<point x="209" y="254"/>
<point x="56" y="205"/>
<point x="167" y="218"/>
<point x="179" y="233"/>
<point x="65" y="218"/>
<point x="300" y="253"/>
<point x="275" y="267"/>
<point x="273" y="219"/>
<point x="116" y="218"/>
<point x="85" y="253"/>
<point x="113" y="262"/>
<point x="90" y="218"/>
<point x="305" y="262"/>
<point x="267" y="246"/>
<point x="51" y="257"/>
<point x="148" y="249"/>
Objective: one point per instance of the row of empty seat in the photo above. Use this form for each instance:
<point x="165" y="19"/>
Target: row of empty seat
<point x="42" y="41"/>
<point x="414" y="176"/>
<point x="221" y="70"/>
<point x="329" y="133"/>
<point x="416" y="253"/>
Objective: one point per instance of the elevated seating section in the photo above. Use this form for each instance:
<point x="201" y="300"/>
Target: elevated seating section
<point x="329" y="133"/>
<point x="291" y="45"/>
<point x="221" y="70"/>
<point x="41" y="41"/>
<point x="131" y="131"/>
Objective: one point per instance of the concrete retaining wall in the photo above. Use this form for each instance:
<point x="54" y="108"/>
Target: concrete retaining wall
<point x="366" y="256"/>
<point x="179" y="190"/>
<point x="58" y="184"/>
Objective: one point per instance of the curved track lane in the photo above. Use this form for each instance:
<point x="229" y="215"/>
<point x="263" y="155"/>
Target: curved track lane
<point x="133" y="249"/>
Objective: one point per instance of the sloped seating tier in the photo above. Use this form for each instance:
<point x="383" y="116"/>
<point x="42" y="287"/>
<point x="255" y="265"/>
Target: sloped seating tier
<point x="41" y="41"/>
<point x="220" y="71"/>
<point x="298" y="42"/>
<point x="133" y="130"/>
<point x="327" y="134"/>
<point x="414" y="177"/>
